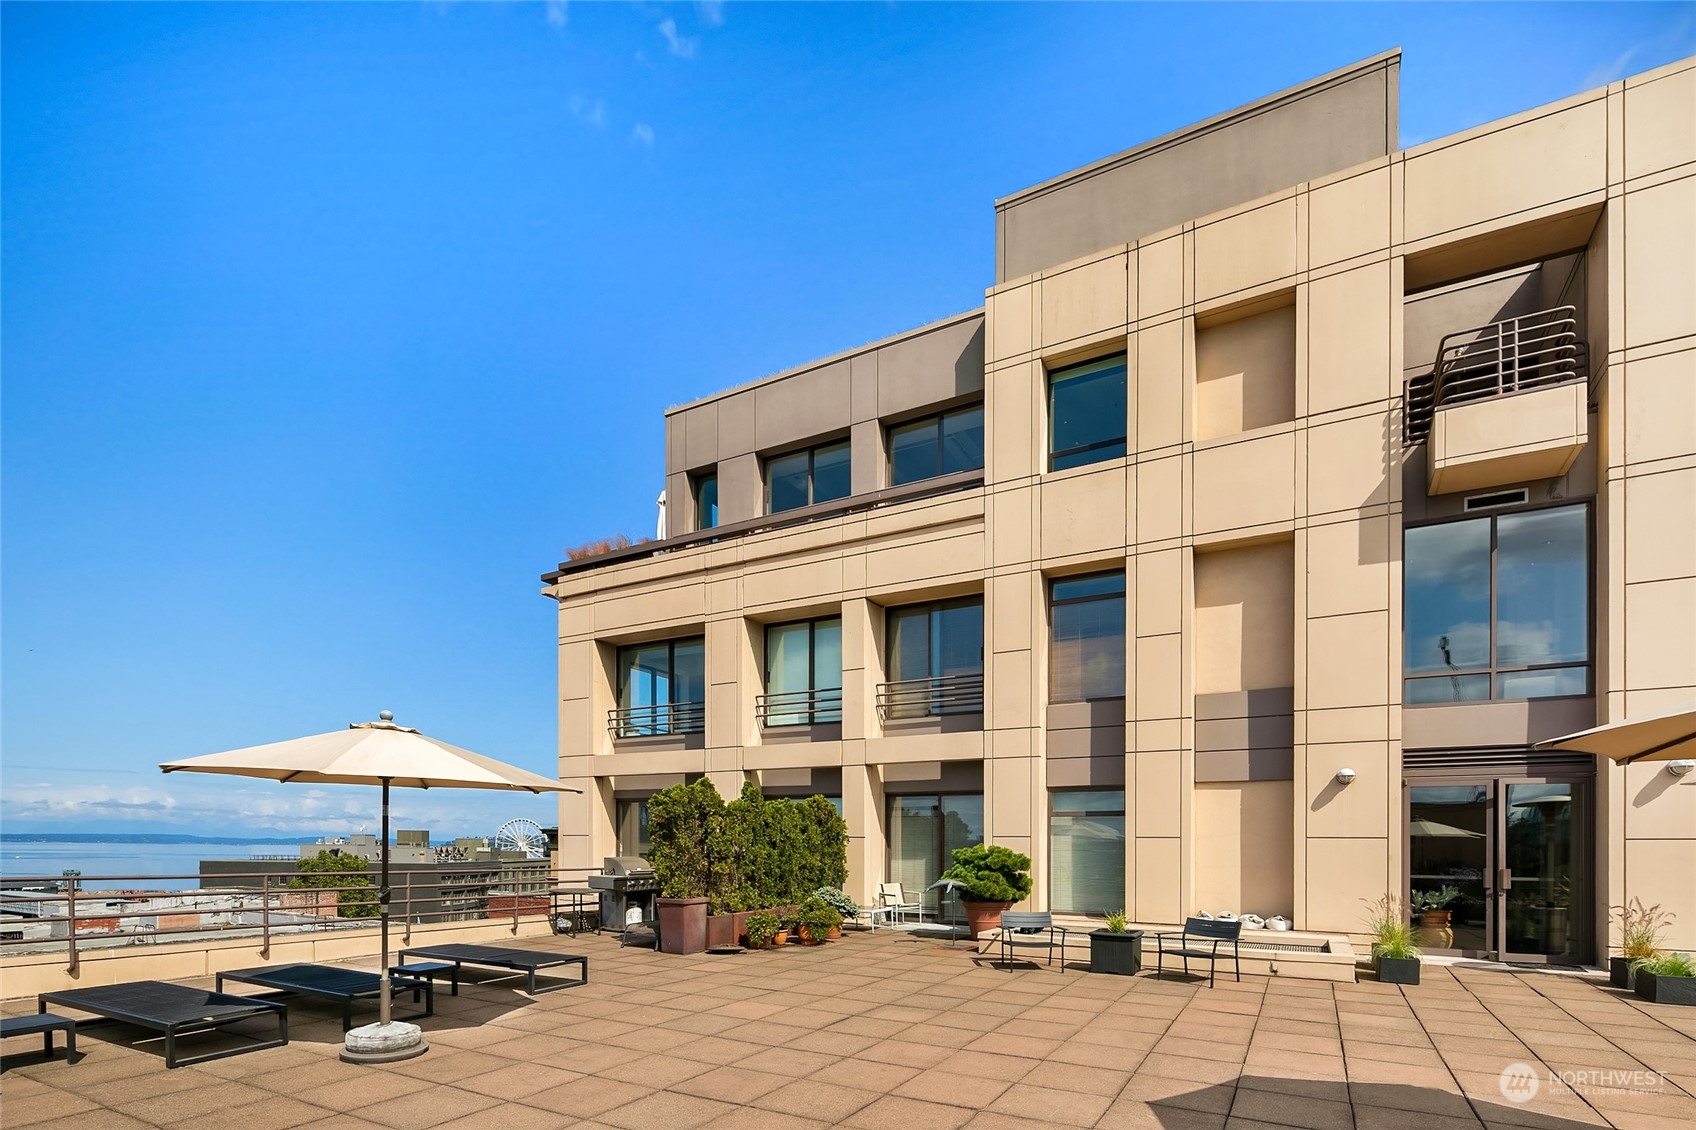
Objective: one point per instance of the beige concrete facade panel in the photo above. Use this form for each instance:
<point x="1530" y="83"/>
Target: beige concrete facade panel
<point x="1245" y="374"/>
<point x="1348" y="339"/>
<point x="1660" y="123"/>
<point x="1246" y="250"/>
<point x="1656" y="656"/>
<point x="1084" y="512"/>
<point x="1159" y="869"/>
<point x="1160" y="593"/>
<point x="1348" y="566"/>
<point x="1349" y="464"/>
<point x="1244" y="627"/>
<point x="1350" y="867"/>
<point x="1163" y="380"/>
<point x="1012" y="516"/>
<point x="1084" y="300"/>
<point x="1014" y="445"/>
<point x="1011" y="320"/>
<point x="1657" y="546"/>
<point x="1248" y="483"/>
<point x="1660" y="262"/>
<point x="1160" y="681"/>
<point x="1659" y="806"/>
<point x="1245" y="848"/>
<point x="931" y="367"/>
<point x="1160" y="500"/>
<point x="1161" y="269"/>
<point x="1356" y="810"/>
<point x="1659" y="406"/>
<point x="1340" y="667"/>
<point x="1508" y="439"/>
<point x="1349" y="217"/>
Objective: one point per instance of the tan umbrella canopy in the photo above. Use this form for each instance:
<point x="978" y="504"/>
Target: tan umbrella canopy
<point x="373" y="753"/>
<point x="1670" y="737"/>
<point x="1420" y="826"/>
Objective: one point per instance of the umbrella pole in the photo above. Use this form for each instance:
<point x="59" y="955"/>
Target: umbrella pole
<point x="384" y="1005"/>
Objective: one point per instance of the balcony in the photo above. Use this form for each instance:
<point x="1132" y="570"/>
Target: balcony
<point x="1505" y="403"/>
<point x="659" y="721"/>
<point x="933" y="697"/>
<point x="817" y="707"/>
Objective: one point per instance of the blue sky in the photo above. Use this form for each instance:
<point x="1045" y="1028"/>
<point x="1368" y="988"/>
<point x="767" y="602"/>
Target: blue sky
<point x="326" y="328"/>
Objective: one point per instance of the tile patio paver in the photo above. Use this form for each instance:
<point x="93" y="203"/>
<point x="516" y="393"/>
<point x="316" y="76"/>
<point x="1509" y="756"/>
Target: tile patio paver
<point x="887" y="1031"/>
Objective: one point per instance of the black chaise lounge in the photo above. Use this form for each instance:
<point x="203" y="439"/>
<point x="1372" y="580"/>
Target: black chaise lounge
<point x="175" y="1010"/>
<point x="45" y="1024"/>
<point x="526" y="962"/>
<point x="333" y="983"/>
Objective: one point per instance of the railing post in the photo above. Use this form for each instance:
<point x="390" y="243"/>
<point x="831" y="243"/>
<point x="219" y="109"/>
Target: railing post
<point x="265" y="916"/>
<point x="515" y="897"/>
<point x="406" y="908"/>
<point x="71" y="926"/>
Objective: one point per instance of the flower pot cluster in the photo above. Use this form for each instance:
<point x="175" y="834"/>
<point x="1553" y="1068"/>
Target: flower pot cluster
<point x="809" y="923"/>
<point x="721" y="865"/>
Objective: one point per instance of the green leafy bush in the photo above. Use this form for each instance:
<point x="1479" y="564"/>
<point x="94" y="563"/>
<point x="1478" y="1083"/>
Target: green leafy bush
<point x="991" y="873"/>
<point x="685" y="829"/>
<point x="334" y="869"/>
<point x="1116" y="921"/>
<point x="763" y="928"/>
<point x="839" y="900"/>
<point x="816" y="917"/>
<point x="1434" y="900"/>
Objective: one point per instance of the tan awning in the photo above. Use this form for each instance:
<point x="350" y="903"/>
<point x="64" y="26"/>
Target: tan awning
<point x="1670" y="737"/>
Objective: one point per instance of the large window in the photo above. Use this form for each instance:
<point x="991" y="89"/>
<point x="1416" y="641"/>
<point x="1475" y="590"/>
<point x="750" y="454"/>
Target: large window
<point x="706" y="501"/>
<point x="1498" y="607"/>
<point x="935" y="660"/>
<point x="1086" y="851"/>
<point x="632" y="820"/>
<point x="1087" y="646"/>
<point x="923" y="833"/>
<point x="803" y="478"/>
<point x="1086" y="413"/>
<point x="803" y="673"/>
<point x="939" y="445"/>
<point x="662" y="689"/>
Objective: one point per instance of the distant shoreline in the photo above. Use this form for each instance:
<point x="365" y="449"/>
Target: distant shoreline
<point x="145" y="838"/>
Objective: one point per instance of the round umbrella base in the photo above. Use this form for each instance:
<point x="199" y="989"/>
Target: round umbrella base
<point x="383" y="1043"/>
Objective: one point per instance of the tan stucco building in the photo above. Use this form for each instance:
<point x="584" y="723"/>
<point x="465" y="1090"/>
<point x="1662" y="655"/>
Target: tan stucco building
<point x="1273" y="452"/>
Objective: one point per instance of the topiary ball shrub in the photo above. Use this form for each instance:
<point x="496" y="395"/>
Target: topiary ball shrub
<point x="991" y="873"/>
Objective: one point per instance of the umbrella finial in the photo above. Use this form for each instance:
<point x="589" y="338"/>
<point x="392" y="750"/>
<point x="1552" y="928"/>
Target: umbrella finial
<point x="386" y="715"/>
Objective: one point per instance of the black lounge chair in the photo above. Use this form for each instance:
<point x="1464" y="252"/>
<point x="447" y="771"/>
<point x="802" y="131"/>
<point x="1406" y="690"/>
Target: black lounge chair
<point x="334" y="983"/>
<point x="526" y="962"/>
<point x="175" y="1010"/>
<point x="46" y="1024"/>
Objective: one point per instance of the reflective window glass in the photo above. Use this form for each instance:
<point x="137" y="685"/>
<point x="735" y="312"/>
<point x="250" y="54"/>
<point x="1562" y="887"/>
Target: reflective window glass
<point x="706" y="502"/>
<point x="1543" y="587"/>
<point x="913" y="452"/>
<point x="1086" y="855"/>
<point x="962" y="440"/>
<point x="830" y="473"/>
<point x="786" y="482"/>
<point x="1087" y="638"/>
<point x="1086" y="413"/>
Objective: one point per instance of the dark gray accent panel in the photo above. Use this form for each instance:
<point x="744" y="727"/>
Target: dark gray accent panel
<point x="825" y="782"/>
<point x="1245" y="735"/>
<point x="1308" y="131"/>
<point x="955" y="777"/>
<point x="1245" y="765"/>
<point x="1267" y="702"/>
<point x="1088" y="730"/>
<point x="1087" y="772"/>
<point x="1477" y="725"/>
<point x="802" y="735"/>
<point x="936" y="724"/>
<point x="635" y="786"/>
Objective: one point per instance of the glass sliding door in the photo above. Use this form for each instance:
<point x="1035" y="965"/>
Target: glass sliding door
<point x="1448" y="855"/>
<point x="1544" y="890"/>
<point x="923" y="833"/>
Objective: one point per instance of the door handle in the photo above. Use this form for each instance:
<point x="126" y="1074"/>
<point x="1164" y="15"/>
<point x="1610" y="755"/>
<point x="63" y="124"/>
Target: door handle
<point x="1504" y="879"/>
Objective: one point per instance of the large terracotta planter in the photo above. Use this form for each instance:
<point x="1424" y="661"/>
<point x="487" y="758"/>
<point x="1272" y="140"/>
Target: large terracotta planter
<point x="981" y="917"/>
<point x="683" y="925"/>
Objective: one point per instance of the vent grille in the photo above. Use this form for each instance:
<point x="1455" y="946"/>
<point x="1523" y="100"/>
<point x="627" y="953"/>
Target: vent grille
<point x="1500" y="498"/>
<point x="1450" y="762"/>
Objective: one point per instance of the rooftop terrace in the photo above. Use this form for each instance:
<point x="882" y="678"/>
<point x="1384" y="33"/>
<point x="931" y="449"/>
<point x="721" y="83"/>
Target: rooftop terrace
<point x="893" y="1030"/>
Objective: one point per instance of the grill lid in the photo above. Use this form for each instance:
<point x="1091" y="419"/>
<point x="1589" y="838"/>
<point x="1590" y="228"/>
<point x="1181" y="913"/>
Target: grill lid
<point x="628" y="866"/>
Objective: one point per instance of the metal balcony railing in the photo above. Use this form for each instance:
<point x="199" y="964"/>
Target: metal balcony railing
<point x="799" y="708"/>
<point x="1531" y="351"/>
<point x="927" y="698"/>
<point x="662" y="720"/>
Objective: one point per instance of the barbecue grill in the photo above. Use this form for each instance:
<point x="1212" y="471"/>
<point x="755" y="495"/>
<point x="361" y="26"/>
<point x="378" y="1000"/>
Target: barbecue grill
<point x="628" y="888"/>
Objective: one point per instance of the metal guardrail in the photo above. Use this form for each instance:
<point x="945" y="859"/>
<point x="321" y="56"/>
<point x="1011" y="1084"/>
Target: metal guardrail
<point x="657" y="721"/>
<point x="931" y="697"/>
<point x="799" y="708"/>
<point x="90" y="912"/>
<point x="1534" y="350"/>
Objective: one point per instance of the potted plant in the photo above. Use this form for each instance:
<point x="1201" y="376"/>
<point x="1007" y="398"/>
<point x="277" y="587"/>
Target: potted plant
<point x="763" y="929"/>
<point x="1640" y="938"/>
<point x="1667" y="979"/>
<point x="1115" y="949"/>
<point x="814" y="919"/>
<point x="1394" y="955"/>
<point x="992" y="878"/>
<point x="1433" y="910"/>
<point x="683" y="828"/>
<point x="839" y="901"/>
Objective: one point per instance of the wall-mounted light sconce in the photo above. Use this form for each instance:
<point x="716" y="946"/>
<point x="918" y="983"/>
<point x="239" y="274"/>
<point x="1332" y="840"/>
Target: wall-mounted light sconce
<point x="1345" y="776"/>
<point x="1681" y="767"/>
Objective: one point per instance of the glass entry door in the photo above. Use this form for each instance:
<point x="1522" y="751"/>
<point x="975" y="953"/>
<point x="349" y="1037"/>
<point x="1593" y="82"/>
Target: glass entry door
<point x="1499" y="868"/>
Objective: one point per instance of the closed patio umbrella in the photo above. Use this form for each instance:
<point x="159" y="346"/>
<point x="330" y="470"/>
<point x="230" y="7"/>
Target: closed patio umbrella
<point x="1668" y="737"/>
<point x="374" y="753"/>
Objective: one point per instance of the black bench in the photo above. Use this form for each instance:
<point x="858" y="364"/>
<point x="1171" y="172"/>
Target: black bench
<point x="334" y="983"/>
<point x="526" y="962"/>
<point x="1031" y="929"/>
<point x="175" y="1010"/>
<point x="46" y="1024"/>
<point x="1200" y="938"/>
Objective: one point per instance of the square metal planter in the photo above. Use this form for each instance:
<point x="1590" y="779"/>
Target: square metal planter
<point x="1398" y="970"/>
<point x="1115" y="953"/>
<point x="1657" y="989"/>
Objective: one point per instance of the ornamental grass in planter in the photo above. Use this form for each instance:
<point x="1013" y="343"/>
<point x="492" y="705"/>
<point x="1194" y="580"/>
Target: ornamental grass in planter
<point x="1394" y="955"/>
<point x="1667" y="979"/>
<point x="1115" y="948"/>
<point x="1640" y="930"/>
<point x="992" y="878"/>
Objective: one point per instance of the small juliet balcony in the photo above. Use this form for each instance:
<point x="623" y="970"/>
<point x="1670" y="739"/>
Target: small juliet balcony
<point x="1504" y="403"/>
<point x="820" y="706"/>
<point x="935" y="697"/>
<point x="663" y="720"/>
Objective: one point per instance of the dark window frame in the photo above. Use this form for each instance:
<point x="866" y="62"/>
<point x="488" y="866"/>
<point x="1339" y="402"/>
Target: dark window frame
<point x="670" y="726"/>
<point x="1122" y="813"/>
<point x="697" y="482"/>
<point x="1123" y="596"/>
<point x="1057" y="376"/>
<point x="1493" y="669"/>
<point x="935" y="420"/>
<point x="812" y="460"/>
<point x="936" y="703"/>
<point x="812" y="714"/>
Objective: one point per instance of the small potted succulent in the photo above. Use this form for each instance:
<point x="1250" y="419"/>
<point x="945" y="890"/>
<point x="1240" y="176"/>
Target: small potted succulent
<point x="1394" y="955"/>
<point x="1640" y="939"/>
<point x="992" y="878"/>
<point x="814" y="919"/>
<point x="1667" y="979"/>
<point x="1115" y="949"/>
<point x="1433" y="910"/>
<point x="763" y="930"/>
<point x="840" y="901"/>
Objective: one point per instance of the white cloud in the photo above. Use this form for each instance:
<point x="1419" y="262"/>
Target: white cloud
<point x="643" y="135"/>
<point x="591" y="110"/>
<point x="712" y="12"/>
<point x="683" y="46"/>
<point x="559" y="13"/>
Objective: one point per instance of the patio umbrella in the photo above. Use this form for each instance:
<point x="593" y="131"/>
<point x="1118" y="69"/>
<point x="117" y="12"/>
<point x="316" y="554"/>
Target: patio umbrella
<point x="374" y="753"/>
<point x="1420" y="826"/>
<point x="1669" y="737"/>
